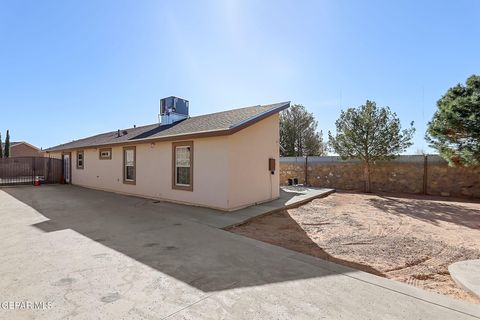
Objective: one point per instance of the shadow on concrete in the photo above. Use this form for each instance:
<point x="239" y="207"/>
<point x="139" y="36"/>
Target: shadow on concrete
<point x="281" y="229"/>
<point x="209" y="259"/>
<point x="430" y="209"/>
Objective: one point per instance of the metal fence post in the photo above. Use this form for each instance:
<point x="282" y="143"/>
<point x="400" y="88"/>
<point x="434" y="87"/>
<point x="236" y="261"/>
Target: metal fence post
<point x="425" y="172"/>
<point x="306" y="171"/>
<point x="33" y="170"/>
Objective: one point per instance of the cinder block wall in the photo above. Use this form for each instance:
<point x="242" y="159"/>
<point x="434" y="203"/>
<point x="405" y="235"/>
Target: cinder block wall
<point x="407" y="174"/>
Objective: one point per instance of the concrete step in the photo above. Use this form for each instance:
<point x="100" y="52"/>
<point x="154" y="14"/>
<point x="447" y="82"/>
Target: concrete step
<point x="467" y="275"/>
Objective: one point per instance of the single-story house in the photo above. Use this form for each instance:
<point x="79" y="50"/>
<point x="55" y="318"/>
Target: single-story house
<point x="24" y="149"/>
<point x="225" y="160"/>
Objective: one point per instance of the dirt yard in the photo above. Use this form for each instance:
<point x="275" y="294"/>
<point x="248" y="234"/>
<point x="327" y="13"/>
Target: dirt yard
<point x="407" y="238"/>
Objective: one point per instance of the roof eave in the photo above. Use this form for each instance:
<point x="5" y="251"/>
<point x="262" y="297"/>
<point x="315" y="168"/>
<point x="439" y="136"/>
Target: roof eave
<point x="259" y="117"/>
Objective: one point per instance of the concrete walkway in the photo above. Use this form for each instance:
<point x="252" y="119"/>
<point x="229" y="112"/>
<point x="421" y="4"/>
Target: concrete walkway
<point x="467" y="275"/>
<point x="289" y="197"/>
<point x="98" y="255"/>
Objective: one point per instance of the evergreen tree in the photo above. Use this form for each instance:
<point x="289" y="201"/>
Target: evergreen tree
<point x="369" y="133"/>
<point x="7" y="145"/>
<point x="298" y="135"/>
<point x="455" y="127"/>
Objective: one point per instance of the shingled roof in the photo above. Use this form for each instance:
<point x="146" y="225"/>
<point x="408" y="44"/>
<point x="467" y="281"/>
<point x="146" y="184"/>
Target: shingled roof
<point x="214" y="124"/>
<point x="14" y="143"/>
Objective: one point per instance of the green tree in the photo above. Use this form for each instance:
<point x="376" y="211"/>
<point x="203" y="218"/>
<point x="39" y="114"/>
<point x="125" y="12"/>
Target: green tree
<point x="1" y="146"/>
<point x="369" y="133"/>
<point x="298" y="133"/>
<point x="6" y="153"/>
<point x="455" y="127"/>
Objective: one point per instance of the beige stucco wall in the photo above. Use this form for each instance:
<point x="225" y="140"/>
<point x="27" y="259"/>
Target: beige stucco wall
<point x="154" y="172"/>
<point x="229" y="171"/>
<point x="249" y="150"/>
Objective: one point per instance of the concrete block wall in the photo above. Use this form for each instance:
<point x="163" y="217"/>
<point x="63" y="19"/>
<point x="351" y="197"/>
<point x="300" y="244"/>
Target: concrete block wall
<point x="414" y="174"/>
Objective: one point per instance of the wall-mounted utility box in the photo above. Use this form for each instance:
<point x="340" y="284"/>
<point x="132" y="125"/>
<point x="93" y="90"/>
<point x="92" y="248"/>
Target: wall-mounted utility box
<point x="271" y="165"/>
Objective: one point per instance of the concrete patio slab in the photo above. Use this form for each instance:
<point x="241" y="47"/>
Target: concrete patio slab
<point x="290" y="197"/>
<point x="467" y="275"/>
<point x="99" y="255"/>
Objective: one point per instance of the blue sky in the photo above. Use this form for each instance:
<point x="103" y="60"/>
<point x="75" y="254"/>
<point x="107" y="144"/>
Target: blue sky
<point x="70" y="69"/>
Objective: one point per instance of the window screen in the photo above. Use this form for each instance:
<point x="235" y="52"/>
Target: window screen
<point x="79" y="159"/>
<point x="182" y="164"/>
<point x="129" y="164"/>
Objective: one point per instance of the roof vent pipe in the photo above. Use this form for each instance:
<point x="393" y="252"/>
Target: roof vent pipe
<point x="118" y="133"/>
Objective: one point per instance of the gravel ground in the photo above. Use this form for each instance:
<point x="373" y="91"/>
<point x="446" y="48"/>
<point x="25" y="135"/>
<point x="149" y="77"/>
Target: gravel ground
<point x="407" y="238"/>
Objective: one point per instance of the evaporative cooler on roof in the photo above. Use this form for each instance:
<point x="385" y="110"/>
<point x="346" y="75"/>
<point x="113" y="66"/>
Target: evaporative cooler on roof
<point x="173" y="109"/>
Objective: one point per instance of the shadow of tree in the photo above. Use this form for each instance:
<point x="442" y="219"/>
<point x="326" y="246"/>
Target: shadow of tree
<point x="430" y="209"/>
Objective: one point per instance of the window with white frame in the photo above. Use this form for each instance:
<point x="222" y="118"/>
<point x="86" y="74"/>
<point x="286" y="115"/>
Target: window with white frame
<point x="105" y="154"/>
<point x="80" y="159"/>
<point x="129" y="165"/>
<point x="183" y="165"/>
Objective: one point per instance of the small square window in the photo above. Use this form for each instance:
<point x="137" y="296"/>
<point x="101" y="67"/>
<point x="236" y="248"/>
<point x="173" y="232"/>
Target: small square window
<point x="105" y="154"/>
